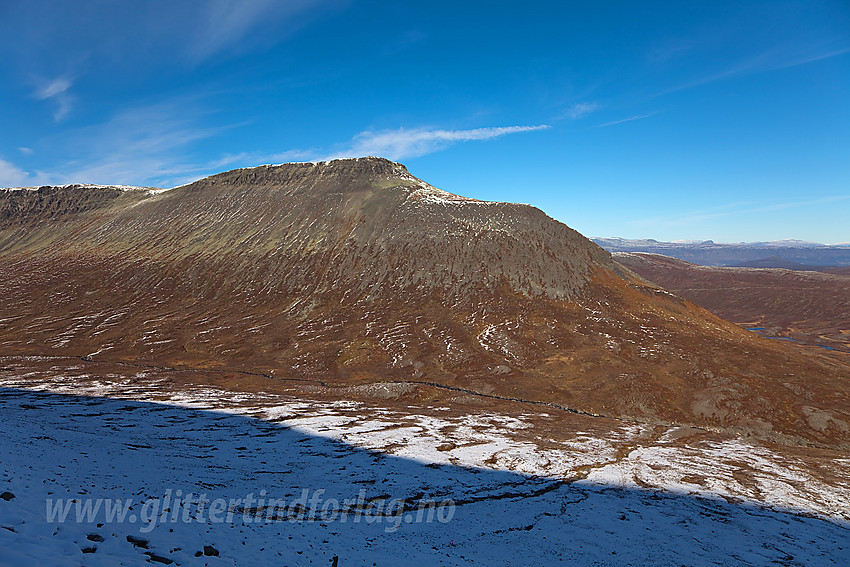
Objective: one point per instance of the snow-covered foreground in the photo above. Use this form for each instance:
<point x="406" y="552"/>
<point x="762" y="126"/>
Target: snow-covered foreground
<point x="493" y="493"/>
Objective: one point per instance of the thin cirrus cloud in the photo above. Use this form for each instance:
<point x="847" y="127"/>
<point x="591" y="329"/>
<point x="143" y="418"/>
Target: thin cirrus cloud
<point x="57" y="91"/>
<point x="629" y="119"/>
<point x="14" y="176"/>
<point x="772" y="60"/>
<point x="151" y="146"/>
<point x="148" y="145"/>
<point x="402" y="143"/>
<point x="415" y="142"/>
<point x="11" y="175"/>
<point x="226" y="24"/>
<point x="580" y="110"/>
<point x="733" y="209"/>
<point x="146" y="36"/>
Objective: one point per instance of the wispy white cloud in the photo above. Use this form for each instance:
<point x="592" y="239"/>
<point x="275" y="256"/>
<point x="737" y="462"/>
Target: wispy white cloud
<point x="53" y="88"/>
<point x="408" y="143"/>
<point x="629" y="119"/>
<point x="13" y="176"/>
<point x="771" y="60"/>
<point x="231" y="24"/>
<point x="668" y="49"/>
<point x="224" y="22"/>
<point x="580" y="110"/>
<point x="153" y="146"/>
<point x="397" y="144"/>
<point x="57" y="90"/>
<point x="149" y="145"/>
<point x="147" y="36"/>
<point x="25" y="150"/>
<point x="807" y="57"/>
<point x="792" y="204"/>
<point x="732" y="209"/>
<point x="142" y="145"/>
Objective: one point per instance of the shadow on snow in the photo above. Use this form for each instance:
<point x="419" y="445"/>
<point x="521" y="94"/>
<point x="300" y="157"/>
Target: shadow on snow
<point x="58" y="447"/>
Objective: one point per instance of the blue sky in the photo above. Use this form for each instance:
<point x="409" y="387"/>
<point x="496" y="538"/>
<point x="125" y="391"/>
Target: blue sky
<point x="667" y="120"/>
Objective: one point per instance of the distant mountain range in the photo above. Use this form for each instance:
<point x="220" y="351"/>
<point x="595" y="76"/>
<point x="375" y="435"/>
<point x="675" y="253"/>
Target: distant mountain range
<point x="792" y="254"/>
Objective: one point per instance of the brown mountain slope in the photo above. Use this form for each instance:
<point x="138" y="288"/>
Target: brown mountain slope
<point x="350" y="273"/>
<point x="811" y="307"/>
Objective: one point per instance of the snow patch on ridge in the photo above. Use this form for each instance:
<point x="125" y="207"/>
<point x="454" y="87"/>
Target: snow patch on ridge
<point x="124" y="188"/>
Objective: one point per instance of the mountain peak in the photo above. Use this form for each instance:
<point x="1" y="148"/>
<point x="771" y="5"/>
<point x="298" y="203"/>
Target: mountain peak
<point x="361" y="224"/>
<point x="353" y="271"/>
<point x="369" y="166"/>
